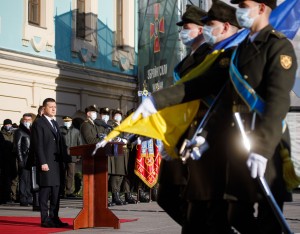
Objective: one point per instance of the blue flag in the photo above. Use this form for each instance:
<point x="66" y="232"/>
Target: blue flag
<point x="286" y="18"/>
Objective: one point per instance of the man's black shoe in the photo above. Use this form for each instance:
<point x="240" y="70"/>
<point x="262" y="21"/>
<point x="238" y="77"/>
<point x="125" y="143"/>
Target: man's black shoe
<point x="117" y="200"/>
<point x="10" y="202"/>
<point x="59" y="223"/>
<point x="109" y="204"/>
<point x="129" y="199"/>
<point x="143" y="197"/>
<point x="48" y="224"/>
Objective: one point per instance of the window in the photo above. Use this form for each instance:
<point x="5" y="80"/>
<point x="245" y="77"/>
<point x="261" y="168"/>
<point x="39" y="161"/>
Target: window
<point x="34" y="7"/>
<point x="119" y="23"/>
<point x="80" y="20"/>
<point x="84" y="29"/>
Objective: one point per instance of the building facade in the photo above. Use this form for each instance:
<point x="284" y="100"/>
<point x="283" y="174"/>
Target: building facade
<point x="86" y="52"/>
<point x="79" y="52"/>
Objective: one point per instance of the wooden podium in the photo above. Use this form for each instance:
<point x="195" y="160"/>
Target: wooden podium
<point x="95" y="212"/>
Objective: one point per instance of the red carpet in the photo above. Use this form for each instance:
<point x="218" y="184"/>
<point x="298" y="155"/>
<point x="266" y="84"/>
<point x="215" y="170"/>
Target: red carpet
<point x="24" y="225"/>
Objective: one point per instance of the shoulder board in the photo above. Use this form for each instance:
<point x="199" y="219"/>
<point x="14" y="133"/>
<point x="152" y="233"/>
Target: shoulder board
<point x="278" y="34"/>
<point x="86" y="121"/>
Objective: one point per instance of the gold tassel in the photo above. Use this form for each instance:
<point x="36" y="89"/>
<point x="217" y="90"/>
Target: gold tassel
<point x="289" y="175"/>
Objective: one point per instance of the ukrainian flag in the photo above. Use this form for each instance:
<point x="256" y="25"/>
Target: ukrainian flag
<point x="169" y="124"/>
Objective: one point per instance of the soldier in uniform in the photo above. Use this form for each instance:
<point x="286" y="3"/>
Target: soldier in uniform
<point x="133" y="180"/>
<point x="119" y="163"/>
<point x="203" y="193"/>
<point x="93" y="129"/>
<point x="172" y="178"/>
<point x="268" y="64"/>
<point x="113" y="180"/>
<point x="266" y="61"/>
<point x="103" y="119"/>
<point x="72" y="137"/>
<point x="206" y="208"/>
<point x="90" y="132"/>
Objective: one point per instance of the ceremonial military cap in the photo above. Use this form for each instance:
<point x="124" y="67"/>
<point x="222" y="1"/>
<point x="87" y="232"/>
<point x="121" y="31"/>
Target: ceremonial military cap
<point x="193" y="14"/>
<point x="7" y="121"/>
<point x="104" y="110"/>
<point x="270" y="3"/>
<point x="67" y="118"/>
<point x="91" y="108"/>
<point x="117" y="111"/>
<point x="222" y="12"/>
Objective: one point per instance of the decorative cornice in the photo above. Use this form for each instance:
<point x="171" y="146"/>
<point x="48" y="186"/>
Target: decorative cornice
<point x="67" y="69"/>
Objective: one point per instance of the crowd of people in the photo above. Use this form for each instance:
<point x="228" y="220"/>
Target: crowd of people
<point x="219" y="182"/>
<point x="250" y="83"/>
<point x="36" y="164"/>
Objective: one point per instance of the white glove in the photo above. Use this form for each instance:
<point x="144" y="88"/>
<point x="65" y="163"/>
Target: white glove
<point x="100" y="144"/>
<point x="123" y="140"/>
<point x="199" y="140"/>
<point x="257" y="165"/>
<point x="146" y="108"/>
<point x="138" y="141"/>
<point x="201" y="147"/>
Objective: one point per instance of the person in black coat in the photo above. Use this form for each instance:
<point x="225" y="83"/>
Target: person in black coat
<point x="266" y="60"/>
<point x="9" y="160"/>
<point x="50" y="153"/>
<point x="21" y="148"/>
<point x="173" y="174"/>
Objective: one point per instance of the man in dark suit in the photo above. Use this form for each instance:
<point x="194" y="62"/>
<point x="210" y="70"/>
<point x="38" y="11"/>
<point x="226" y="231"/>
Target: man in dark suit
<point x="50" y="153"/>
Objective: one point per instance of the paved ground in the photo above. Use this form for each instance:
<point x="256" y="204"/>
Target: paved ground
<point x="151" y="218"/>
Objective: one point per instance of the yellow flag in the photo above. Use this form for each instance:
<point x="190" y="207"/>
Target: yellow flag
<point x="166" y="125"/>
<point x="202" y="67"/>
<point x="170" y="123"/>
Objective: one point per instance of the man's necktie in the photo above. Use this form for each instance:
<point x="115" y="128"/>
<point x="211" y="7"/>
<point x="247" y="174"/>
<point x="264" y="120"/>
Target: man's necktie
<point x="53" y="124"/>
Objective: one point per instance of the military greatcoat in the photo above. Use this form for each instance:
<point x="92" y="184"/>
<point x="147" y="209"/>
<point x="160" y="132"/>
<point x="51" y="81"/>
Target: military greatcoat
<point x="269" y="66"/>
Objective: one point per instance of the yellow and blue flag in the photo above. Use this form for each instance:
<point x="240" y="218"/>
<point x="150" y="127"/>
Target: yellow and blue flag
<point x="169" y="127"/>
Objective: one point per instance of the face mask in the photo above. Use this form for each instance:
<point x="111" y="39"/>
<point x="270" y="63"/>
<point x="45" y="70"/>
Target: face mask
<point x="118" y="118"/>
<point x="243" y="18"/>
<point x="185" y="36"/>
<point x="67" y="124"/>
<point x="207" y="34"/>
<point x="27" y="124"/>
<point x="7" y="128"/>
<point x="93" y="116"/>
<point x="105" y="118"/>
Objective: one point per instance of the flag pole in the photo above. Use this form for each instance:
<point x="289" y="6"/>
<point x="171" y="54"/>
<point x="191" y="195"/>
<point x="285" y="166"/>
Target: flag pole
<point x="187" y="145"/>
